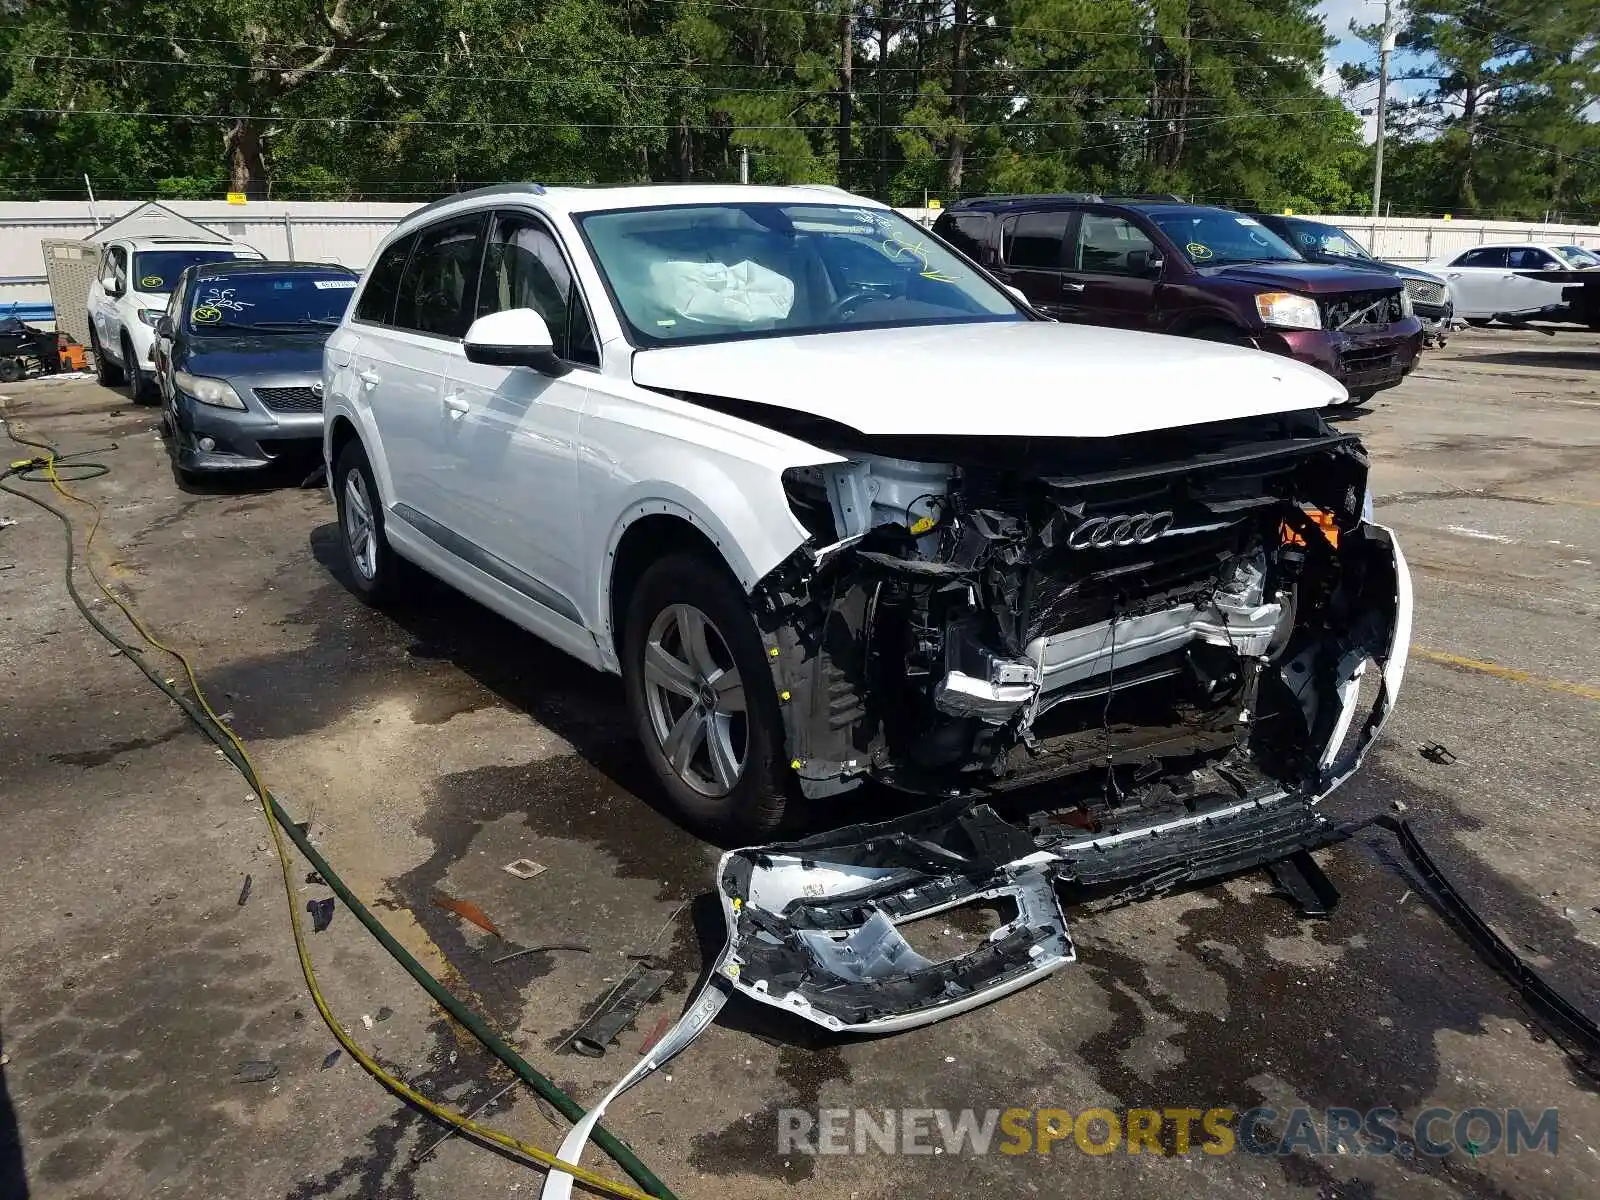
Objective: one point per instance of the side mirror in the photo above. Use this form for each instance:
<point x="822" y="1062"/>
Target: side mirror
<point x="517" y="337"/>
<point x="115" y="287"/>
<point x="1145" y="262"/>
<point x="164" y="326"/>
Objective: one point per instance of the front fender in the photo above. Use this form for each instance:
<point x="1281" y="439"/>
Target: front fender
<point x="739" y="507"/>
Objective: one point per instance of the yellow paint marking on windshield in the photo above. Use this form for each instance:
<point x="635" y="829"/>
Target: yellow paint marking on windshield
<point x="1198" y="251"/>
<point x="207" y="314"/>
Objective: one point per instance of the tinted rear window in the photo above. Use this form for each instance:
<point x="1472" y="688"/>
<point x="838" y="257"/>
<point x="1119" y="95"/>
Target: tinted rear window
<point x="1036" y="239"/>
<point x="383" y="283"/>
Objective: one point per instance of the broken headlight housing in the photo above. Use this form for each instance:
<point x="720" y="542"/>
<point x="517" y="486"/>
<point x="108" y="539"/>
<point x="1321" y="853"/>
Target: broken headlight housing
<point x="1288" y="310"/>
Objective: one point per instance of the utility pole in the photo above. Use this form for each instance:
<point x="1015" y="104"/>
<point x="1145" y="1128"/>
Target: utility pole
<point x="744" y="164"/>
<point x="1385" y="45"/>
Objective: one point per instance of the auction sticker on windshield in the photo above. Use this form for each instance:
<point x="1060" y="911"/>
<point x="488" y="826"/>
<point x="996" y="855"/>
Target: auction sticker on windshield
<point x="328" y="284"/>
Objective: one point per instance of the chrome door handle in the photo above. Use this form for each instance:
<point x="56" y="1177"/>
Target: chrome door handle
<point x="455" y="405"/>
<point x="1072" y="287"/>
<point x="369" y="379"/>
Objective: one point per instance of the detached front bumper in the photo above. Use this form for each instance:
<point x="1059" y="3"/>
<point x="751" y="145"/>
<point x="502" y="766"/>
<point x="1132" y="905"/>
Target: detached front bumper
<point x="814" y="925"/>
<point x="1364" y="361"/>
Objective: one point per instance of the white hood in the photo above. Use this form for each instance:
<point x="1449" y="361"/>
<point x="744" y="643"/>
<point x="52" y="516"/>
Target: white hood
<point x="1035" y="378"/>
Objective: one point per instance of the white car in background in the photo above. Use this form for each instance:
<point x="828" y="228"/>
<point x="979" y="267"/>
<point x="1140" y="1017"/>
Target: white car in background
<point x="130" y="294"/>
<point x="1493" y="279"/>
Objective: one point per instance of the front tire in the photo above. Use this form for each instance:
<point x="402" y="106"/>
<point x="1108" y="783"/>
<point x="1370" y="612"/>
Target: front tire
<point x="702" y="699"/>
<point x="376" y="571"/>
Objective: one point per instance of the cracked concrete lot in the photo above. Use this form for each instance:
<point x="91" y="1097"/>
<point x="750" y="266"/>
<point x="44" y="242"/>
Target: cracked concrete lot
<point x="431" y="746"/>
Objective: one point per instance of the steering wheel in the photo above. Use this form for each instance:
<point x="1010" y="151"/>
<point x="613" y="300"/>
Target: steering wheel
<point x="841" y="307"/>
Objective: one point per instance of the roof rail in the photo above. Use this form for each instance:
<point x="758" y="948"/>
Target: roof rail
<point x="494" y="189"/>
<point x="1069" y="197"/>
<point x="1148" y="198"/>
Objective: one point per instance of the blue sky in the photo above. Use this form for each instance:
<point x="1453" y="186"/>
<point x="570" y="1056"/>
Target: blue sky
<point x="1337" y="15"/>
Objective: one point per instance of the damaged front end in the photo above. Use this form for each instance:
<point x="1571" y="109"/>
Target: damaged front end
<point x="1179" y="632"/>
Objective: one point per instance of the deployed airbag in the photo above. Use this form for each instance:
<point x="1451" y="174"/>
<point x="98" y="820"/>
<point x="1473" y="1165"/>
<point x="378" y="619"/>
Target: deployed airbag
<point x="745" y="293"/>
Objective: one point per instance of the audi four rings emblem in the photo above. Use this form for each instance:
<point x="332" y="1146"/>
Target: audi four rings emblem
<point x="1124" y="529"/>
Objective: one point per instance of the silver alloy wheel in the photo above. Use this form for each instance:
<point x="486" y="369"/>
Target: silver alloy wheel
<point x="696" y="700"/>
<point x="359" y="532"/>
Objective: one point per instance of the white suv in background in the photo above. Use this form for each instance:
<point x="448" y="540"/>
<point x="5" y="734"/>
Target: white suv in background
<point x="838" y="507"/>
<point x="129" y="295"/>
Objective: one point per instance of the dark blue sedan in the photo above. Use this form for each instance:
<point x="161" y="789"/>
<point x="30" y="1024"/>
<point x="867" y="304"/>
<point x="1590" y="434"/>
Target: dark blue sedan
<point x="239" y="361"/>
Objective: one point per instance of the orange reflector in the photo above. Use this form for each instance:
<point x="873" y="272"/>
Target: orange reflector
<point x="1325" y="521"/>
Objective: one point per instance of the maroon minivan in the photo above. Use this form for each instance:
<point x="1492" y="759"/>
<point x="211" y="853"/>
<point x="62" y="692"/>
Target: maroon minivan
<point x="1194" y="270"/>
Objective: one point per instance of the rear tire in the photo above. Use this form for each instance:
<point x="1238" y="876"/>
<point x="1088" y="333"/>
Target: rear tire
<point x="701" y="695"/>
<point x="377" y="572"/>
<point x="106" y="372"/>
<point x="141" y="389"/>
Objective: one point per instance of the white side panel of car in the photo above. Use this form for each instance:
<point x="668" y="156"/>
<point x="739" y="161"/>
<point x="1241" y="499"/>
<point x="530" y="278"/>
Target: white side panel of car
<point x="584" y="457"/>
<point x="647" y="454"/>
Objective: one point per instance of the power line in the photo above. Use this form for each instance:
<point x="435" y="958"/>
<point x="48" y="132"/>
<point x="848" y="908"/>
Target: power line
<point x="301" y="47"/>
<point x="569" y="60"/>
<point x="628" y="125"/>
<point x="939" y="19"/>
<point x="631" y="84"/>
<point x="1541" y="147"/>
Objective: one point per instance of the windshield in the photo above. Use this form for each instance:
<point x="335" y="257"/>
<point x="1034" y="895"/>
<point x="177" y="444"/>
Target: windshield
<point x="157" y="271"/>
<point x="269" y="301"/>
<point x="1211" y="237"/>
<point x="1578" y="256"/>
<point x="713" y="272"/>
<point x="1313" y="238"/>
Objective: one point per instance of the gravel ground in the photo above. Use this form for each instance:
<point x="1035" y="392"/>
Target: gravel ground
<point x="429" y="748"/>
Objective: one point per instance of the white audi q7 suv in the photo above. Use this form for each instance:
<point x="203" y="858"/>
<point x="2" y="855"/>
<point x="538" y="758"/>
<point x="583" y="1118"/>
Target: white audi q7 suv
<point x="838" y="507"/>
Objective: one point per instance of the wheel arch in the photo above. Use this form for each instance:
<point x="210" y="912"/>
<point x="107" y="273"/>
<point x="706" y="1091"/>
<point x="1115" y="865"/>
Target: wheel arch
<point x="341" y="432"/>
<point x="647" y="531"/>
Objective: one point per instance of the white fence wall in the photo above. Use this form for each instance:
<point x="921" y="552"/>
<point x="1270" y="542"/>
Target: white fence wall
<point x="349" y="233"/>
<point x="313" y="232"/>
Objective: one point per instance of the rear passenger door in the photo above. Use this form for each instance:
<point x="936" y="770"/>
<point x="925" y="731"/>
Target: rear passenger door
<point x="403" y="354"/>
<point x="1033" y="255"/>
<point x="1108" y="278"/>
<point x="512" y="432"/>
<point x="1478" y="281"/>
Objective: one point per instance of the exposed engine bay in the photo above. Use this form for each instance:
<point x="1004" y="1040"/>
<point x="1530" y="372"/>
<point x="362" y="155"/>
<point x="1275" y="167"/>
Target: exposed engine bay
<point x="1172" y="629"/>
